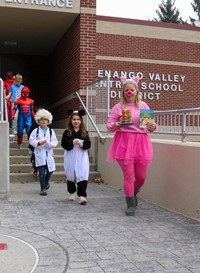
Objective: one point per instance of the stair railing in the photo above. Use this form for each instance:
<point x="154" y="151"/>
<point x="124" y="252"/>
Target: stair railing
<point x="101" y="138"/>
<point x="4" y="144"/>
<point x="3" y="104"/>
<point x="182" y="122"/>
<point x="179" y="122"/>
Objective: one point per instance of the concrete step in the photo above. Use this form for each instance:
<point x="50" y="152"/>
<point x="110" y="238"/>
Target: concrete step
<point x="13" y="138"/>
<point x="25" y="159"/>
<point x="59" y="132"/>
<point x="23" y="155"/>
<point x="25" y="144"/>
<point x="25" y="151"/>
<point x="58" y="176"/>
<point x="26" y="168"/>
<point x="21" y="168"/>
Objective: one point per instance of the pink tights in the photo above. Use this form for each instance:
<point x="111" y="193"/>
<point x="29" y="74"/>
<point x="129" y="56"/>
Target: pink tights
<point x="134" y="176"/>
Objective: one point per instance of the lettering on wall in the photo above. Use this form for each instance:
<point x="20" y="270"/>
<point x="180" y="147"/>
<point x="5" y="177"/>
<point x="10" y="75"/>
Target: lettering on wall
<point x="151" y="90"/>
<point x="47" y="3"/>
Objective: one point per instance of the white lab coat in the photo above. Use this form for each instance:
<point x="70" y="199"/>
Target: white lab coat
<point x="76" y="164"/>
<point x="44" y="153"/>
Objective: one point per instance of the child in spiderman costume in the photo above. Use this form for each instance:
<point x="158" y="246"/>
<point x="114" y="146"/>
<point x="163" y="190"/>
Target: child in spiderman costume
<point x="25" y="107"/>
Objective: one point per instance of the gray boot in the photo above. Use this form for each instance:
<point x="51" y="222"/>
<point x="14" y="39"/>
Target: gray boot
<point x="136" y="199"/>
<point x="131" y="206"/>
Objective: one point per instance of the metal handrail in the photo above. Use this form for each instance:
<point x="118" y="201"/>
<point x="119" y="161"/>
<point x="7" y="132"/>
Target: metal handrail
<point x="177" y="111"/>
<point x="5" y="106"/>
<point x="102" y="138"/>
<point x="171" y="125"/>
<point x="179" y="122"/>
<point x="3" y="103"/>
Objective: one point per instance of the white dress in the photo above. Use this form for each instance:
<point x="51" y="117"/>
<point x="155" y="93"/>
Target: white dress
<point x="76" y="164"/>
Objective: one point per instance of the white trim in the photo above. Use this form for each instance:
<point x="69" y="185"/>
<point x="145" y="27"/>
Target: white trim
<point x="135" y="60"/>
<point x="34" y="250"/>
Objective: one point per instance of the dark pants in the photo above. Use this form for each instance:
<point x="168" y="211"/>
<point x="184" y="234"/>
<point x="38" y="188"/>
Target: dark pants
<point x="81" y="187"/>
<point x="44" y="176"/>
<point x="33" y="162"/>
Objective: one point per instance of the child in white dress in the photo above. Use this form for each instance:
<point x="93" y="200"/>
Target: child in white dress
<point x="76" y="142"/>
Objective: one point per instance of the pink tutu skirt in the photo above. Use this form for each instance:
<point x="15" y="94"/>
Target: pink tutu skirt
<point x="132" y="147"/>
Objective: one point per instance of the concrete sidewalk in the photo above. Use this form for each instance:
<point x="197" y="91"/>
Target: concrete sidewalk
<point x="51" y="234"/>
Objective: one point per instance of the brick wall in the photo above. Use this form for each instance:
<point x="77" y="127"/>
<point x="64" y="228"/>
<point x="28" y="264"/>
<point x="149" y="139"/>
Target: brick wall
<point x="65" y="63"/>
<point x="74" y="61"/>
<point x="160" y="57"/>
<point x="188" y="98"/>
<point x="88" y="3"/>
<point x="87" y="49"/>
<point x="94" y="43"/>
<point x="65" y="68"/>
<point x="146" y="48"/>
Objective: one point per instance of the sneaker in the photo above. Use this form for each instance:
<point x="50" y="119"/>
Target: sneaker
<point x="82" y="200"/>
<point x="72" y="196"/>
<point x="35" y="173"/>
<point x="43" y="193"/>
<point x="48" y="186"/>
<point x="19" y="146"/>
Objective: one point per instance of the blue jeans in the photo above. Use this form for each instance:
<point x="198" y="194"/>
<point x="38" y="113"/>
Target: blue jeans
<point x="44" y="176"/>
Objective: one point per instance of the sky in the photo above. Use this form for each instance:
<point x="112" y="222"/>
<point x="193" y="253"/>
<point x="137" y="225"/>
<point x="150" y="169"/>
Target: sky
<point x="140" y="9"/>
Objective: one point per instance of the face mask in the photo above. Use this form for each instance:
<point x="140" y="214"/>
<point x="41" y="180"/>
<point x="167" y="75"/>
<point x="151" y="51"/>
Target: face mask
<point x="129" y="92"/>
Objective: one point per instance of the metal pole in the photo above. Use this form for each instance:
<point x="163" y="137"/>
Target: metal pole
<point x="184" y="128"/>
<point x="102" y="139"/>
<point x="108" y="94"/>
<point x="4" y="148"/>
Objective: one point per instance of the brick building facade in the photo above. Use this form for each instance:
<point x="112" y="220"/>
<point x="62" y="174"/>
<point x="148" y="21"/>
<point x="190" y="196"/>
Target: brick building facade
<point x="165" y="56"/>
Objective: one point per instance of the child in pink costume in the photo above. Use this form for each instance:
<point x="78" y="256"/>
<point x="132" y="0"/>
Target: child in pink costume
<point x="131" y="147"/>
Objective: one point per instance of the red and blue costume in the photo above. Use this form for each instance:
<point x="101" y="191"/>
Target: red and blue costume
<point x="26" y="113"/>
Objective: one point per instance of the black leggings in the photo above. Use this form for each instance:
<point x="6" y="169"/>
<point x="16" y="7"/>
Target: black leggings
<point x="33" y="162"/>
<point x="81" y="187"/>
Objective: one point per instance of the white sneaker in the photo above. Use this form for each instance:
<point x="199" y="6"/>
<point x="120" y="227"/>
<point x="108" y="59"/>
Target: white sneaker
<point x="82" y="200"/>
<point x="72" y="196"/>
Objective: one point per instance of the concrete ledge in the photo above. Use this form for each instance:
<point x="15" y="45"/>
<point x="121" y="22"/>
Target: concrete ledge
<point x="5" y="196"/>
<point x="172" y="180"/>
<point x="4" y="159"/>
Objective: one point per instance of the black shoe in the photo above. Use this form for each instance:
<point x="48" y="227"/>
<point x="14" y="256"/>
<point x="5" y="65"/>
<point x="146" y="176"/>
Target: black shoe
<point x="43" y="193"/>
<point x="48" y="186"/>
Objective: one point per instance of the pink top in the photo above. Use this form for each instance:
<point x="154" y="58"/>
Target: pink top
<point x="116" y="116"/>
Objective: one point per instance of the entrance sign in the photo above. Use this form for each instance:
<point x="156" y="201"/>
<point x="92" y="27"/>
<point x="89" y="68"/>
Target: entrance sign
<point x="47" y="3"/>
<point x="152" y="84"/>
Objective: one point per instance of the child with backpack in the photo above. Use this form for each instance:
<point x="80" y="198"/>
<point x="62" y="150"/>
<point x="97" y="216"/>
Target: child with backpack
<point x="31" y="148"/>
<point x="44" y="139"/>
